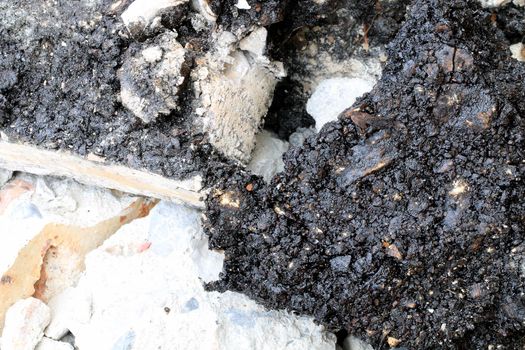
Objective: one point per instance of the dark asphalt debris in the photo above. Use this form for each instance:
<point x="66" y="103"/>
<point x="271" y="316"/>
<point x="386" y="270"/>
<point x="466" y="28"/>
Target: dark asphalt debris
<point x="403" y="223"/>
<point x="409" y="233"/>
<point x="59" y="86"/>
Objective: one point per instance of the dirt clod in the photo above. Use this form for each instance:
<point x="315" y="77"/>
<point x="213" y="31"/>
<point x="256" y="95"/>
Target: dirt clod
<point x="449" y="203"/>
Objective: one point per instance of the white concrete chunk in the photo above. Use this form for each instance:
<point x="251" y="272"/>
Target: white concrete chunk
<point x="150" y="79"/>
<point x="24" y="324"/>
<point x="145" y="287"/>
<point x="235" y="93"/>
<point x="518" y="51"/>
<point x="332" y="96"/>
<point x="267" y="158"/>
<point x="494" y="3"/>
<point x="255" y="42"/>
<point x="243" y="5"/>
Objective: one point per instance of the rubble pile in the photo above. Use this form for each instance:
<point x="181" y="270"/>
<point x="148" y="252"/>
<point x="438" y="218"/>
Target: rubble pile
<point x="141" y="288"/>
<point x="403" y="222"/>
<point x="345" y="174"/>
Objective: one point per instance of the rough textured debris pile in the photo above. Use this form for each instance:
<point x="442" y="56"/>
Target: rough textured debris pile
<point x="125" y="293"/>
<point x="148" y="85"/>
<point x="131" y="296"/>
<point x="403" y="222"/>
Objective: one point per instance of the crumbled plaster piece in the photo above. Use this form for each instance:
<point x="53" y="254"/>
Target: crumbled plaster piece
<point x="150" y="78"/>
<point x="50" y="344"/>
<point x="239" y="100"/>
<point x="332" y="96"/>
<point x="235" y="92"/>
<point x="24" y="324"/>
<point x="255" y="42"/>
<point x="518" y="51"/>
<point x="139" y="15"/>
<point x="144" y="290"/>
<point x="353" y="343"/>
<point x="267" y="156"/>
<point x="519" y="2"/>
<point x="54" y="258"/>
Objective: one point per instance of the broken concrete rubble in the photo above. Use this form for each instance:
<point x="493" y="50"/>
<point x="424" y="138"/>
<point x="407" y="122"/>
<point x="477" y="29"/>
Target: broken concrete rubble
<point x="25" y="324"/>
<point x="498" y="3"/>
<point x="235" y="88"/>
<point x="143" y="290"/>
<point x="266" y="159"/>
<point x="518" y="51"/>
<point x="47" y="228"/>
<point x="151" y="76"/>
<point x="332" y="96"/>
<point x="54" y="259"/>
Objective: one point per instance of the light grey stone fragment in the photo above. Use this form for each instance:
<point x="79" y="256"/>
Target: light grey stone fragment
<point x="333" y="96"/>
<point x="151" y="76"/>
<point x="24" y="324"/>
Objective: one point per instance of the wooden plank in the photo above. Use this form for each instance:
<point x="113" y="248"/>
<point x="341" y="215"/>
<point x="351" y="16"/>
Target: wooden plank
<point x="30" y="159"/>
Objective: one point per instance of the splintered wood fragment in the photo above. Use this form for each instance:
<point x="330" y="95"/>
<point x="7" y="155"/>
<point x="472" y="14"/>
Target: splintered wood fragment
<point x="26" y="158"/>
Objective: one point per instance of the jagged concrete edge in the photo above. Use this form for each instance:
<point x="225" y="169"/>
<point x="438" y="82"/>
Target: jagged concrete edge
<point x="26" y="158"/>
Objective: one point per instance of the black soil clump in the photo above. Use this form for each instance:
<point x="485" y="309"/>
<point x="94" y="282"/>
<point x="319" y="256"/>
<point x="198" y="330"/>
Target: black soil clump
<point x="59" y="86"/>
<point x="342" y="29"/>
<point x="511" y="19"/>
<point x="404" y="222"/>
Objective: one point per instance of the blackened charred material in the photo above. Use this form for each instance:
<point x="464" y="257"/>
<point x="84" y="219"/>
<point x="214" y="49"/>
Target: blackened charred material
<point x="415" y="233"/>
<point x="233" y="18"/>
<point x="288" y="110"/>
<point x="511" y="19"/>
<point x="59" y="86"/>
<point x="340" y="29"/>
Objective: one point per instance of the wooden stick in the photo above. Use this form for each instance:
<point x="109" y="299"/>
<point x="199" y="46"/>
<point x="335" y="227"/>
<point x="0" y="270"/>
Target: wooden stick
<point x="19" y="157"/>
